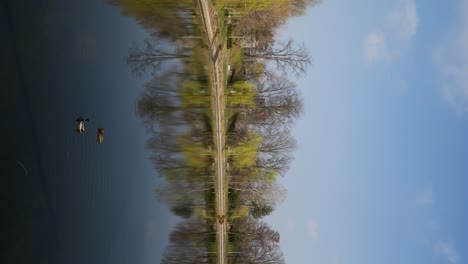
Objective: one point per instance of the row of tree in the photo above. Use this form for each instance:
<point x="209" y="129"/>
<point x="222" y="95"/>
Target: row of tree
<point x="259" y="132"/>
<point x="261" y="108"/>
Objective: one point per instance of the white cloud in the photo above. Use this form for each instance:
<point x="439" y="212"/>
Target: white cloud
<point x="404" y="20"/>
<point x="455" y="87"/>
<point x="446" y="249"/>
<point x="401" y="27"/>
<point x="375" y="47"/>
<point x="312" y="228"/>
<point x="426" y="197"/>
<point x="452" y="62"/>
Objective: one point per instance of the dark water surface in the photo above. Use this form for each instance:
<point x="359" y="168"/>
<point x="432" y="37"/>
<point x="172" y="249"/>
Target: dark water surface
<point x="65" y="198"/>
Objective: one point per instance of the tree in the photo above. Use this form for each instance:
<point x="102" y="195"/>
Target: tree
<point x="192" y="230"/>
<point x="299" y="6"/>
<point x="265" y="21"/>
<point x="186" y="254"/>
<point x="278" y="162"/>
<point x="241" y="94"/>
<point x="247" y="6"/>
<point x="276" y="85"/>
<point x="175" y="108"/>
<point x="286" y="56"/>
<point x="151" y="56"/>
<point x="281" y="109"/>
<point x="264" y="193"/>
<point x="162" y="18"/>
<point x="260" y="210"/>
<point x="258" y="243"/>
<point x="243" y="154"/>
<point x="184" y="211"/>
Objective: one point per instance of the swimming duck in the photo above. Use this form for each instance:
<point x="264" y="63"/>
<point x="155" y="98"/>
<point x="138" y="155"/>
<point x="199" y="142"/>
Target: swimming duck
<point x="80" y="126"/>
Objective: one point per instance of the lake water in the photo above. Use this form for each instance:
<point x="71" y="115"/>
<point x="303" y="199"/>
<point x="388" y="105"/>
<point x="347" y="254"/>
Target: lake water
<point x="65" y="198"/>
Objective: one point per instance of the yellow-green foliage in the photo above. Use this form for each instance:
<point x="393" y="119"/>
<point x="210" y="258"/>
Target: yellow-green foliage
<point x="258" y="68"/>
<point x="244" y="154"/>
<point x="254" y="5"/>
<point x="194" y="152"/>
<point x="231" y="247"/>
<point x="184" y="174"/>
<point x="200" y="212"/>
<point x="236" y="57"/>
<point x="241" y="93"/>
<point x="198" y="58"/>
<point x="162" y="17"/>
<point x="142" y="8"/>
<point x="171" y="175"/>
<point x="269" y="175"/>
<point x="194" y="93"/>
<point x="240" y="212"/>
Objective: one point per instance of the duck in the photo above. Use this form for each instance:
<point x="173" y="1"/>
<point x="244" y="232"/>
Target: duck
<point x="80" y="125"/>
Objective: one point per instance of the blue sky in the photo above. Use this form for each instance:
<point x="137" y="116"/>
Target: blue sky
<point x="379" y="174"/>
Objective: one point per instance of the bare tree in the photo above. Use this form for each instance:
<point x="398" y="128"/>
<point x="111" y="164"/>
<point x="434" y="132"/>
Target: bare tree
<point x="151" y="55"/>
<point x="275" y="85"/>
<point x="299" y="6"/>
<point x="286" y="56"/>
<point x="276" y="141"/>
<point x="186" y="253"/>
<point x="277" y="110"/>
<point x="258" y="243"/>
<point x="261" y="192"/>
<point x="193" y="229"/>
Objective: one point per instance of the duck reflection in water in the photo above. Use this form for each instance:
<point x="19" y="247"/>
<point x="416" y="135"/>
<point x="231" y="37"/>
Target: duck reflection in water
<point x="100" y="135"/>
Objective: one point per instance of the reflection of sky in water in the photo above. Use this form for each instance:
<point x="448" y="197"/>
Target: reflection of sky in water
<point x="69" y="57"/>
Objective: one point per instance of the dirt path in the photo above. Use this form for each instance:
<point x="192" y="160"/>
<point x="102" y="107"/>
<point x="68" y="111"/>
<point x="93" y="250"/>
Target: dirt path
<point x="218" y="107"/>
